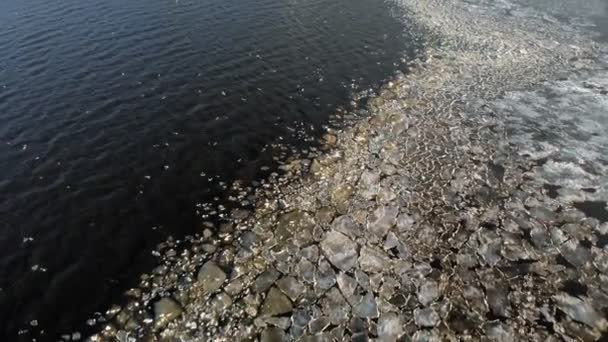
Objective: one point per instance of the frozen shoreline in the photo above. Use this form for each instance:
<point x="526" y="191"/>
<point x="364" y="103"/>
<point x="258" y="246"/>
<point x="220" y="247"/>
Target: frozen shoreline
<point x="424" y="222"/>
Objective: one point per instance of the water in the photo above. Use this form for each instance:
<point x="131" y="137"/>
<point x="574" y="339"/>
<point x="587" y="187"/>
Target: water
<point x="118" y="117"/>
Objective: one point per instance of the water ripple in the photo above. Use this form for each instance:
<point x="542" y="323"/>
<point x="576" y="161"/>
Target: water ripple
<point x="95" y="95"/>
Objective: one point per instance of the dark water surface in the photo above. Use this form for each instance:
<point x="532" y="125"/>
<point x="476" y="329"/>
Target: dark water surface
<point x="111" y="112"/>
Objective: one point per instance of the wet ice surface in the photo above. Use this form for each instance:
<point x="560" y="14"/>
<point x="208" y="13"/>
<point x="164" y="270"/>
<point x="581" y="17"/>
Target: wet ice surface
<point x="562" y="126"/>
<point x="470" y="206"/>
<point x="585" y="14"/>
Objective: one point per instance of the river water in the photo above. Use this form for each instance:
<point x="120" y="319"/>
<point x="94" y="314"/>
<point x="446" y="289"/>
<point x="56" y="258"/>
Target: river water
<point x="119" y="118"/>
